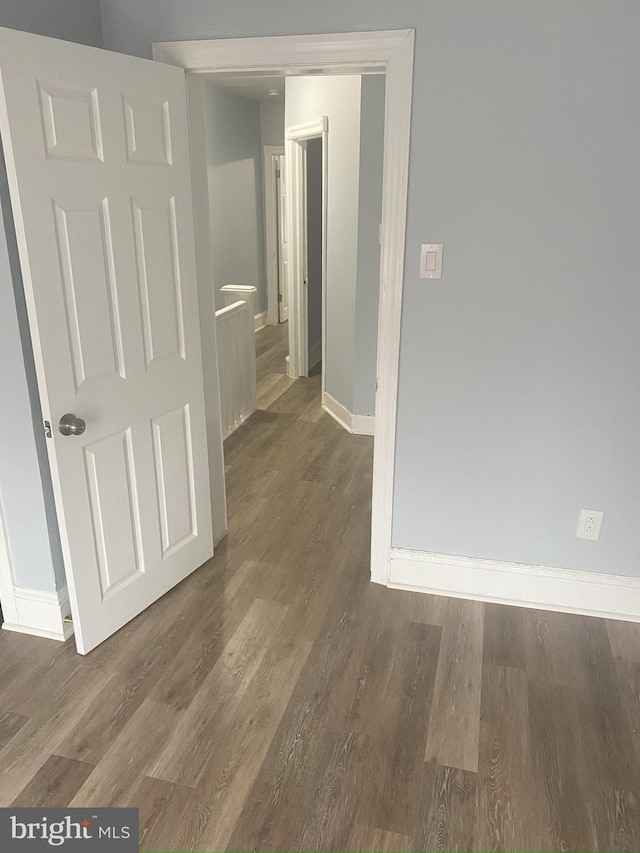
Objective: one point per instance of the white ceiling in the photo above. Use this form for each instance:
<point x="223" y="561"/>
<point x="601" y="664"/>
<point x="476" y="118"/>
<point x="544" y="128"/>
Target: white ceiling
<point x="257" y="88"/>
<point x="254" y="88"/>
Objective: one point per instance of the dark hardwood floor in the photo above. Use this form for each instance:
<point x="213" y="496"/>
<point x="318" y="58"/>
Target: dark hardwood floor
<point x="277" y="700"/>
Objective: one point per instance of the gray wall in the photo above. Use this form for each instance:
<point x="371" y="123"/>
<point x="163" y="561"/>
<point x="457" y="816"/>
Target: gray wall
<point x="314" y="249"/>
<point x="369" y="216"/>
<point x="519" y="370"/>
<point x="25" y="480"/>
<point x="72" y="20"/>
<point x="519" y="387"/>
<point x="272" y="122"/>
<point x="234" y="160"/>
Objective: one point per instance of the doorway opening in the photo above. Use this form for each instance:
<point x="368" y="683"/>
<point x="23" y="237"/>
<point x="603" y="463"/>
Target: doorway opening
<point x="306" y="218"/>
<point x="315" y="264"/>
<point x="274" y="172"/>
<point x="344" y="53"/>
<point x="332" y="285"/>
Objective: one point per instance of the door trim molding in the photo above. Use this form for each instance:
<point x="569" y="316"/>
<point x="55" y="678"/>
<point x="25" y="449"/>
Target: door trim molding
<point x="517" y="584"/>
<point x="350" y="53"/>
<point x="269" y="153"/>
<point x="391" y="51"/>
<point x="295" y="156"/>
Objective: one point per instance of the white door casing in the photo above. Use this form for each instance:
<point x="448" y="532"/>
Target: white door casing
<point x="273" y="160"/>
<point x="283" y="247"/>
<point x="296" y="138"/>
<point x="96" y="146"/>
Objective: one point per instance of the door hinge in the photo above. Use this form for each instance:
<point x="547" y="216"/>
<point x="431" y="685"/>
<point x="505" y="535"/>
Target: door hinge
<point x="67" y="619"/>
<point x="279" y="297"/>
<point x="47" y="429"/>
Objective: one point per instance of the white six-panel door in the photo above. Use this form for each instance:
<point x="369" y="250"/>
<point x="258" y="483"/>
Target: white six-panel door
<point x="96" y="146"/>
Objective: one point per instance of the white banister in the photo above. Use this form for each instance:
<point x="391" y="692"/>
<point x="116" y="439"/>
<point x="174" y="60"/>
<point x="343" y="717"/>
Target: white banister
<point x="236" y="365"/>
<point x="233" y="292"/>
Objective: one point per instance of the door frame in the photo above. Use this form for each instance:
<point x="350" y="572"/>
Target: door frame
<point x="283" y="269"/>
<point x="296" y="138"/>
<point x="340" y="53"/>
<point x="271" y="243"/>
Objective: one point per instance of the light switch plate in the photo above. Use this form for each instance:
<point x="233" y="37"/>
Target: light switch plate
<point x="431" y="260"/>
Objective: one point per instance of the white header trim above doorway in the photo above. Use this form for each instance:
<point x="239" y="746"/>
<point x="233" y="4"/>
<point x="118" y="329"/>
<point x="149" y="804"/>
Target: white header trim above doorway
<point x="347" y="53"/>
<point x="309" y="130"/>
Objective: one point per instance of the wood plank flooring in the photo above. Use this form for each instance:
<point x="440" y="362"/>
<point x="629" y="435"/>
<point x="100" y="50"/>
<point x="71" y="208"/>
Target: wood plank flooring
<point x="277" y="700"/>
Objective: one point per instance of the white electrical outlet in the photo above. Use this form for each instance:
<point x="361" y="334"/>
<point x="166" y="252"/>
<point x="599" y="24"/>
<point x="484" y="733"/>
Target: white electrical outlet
<point x="589" y="524"/>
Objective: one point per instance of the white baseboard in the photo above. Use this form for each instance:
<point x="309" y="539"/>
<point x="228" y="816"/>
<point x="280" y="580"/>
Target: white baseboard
<point x="337" y="411"/>
<point x="357" y="424"/>
<point x="363" y="424"/>
<point x="40" y="613"/>
<point x="260" y="321"/>
<point x="539" y="587"/>
<point x="315" y="354"/>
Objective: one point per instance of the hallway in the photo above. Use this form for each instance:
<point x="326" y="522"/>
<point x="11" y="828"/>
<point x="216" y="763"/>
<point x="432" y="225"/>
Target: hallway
<point x="277" y="700"/>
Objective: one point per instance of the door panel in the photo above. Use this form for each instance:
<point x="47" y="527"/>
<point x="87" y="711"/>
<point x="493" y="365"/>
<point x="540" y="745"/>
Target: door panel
<point x="112" y="490"/>
<point x="96" y="146"/>
<point x="84" y="245"/>
<point x="159" y="278"/>
<point x="148" y="131"/>
<point x="70" y="122"/>
<point x="174" y="473"/>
